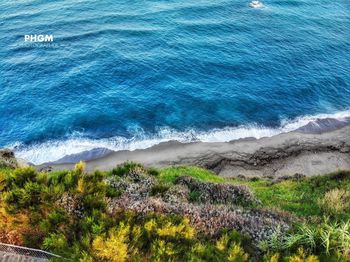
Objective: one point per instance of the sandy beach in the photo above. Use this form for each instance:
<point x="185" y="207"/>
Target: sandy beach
<point x="282" y="155"/>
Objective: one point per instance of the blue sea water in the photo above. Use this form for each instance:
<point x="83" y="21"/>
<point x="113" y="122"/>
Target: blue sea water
<point x="130" y="74"/>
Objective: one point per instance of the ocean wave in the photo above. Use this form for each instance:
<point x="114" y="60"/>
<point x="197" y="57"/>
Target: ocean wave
<point x="54" y="150"/>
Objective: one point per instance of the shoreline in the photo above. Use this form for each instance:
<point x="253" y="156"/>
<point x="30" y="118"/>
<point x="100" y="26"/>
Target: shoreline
<point x="286" y="154"/>
<point x="73" y="148"/>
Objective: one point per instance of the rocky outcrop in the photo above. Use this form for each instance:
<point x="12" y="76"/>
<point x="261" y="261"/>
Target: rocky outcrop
<point x="7" y="159"/>
<point x="286" y="154"/>
<point x="267" y="155"/>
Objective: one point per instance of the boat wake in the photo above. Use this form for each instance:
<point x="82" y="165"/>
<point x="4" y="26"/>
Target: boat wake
<point x="256" y="4"/>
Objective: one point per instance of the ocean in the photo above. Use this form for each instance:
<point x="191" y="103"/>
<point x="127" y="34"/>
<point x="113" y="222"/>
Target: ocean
<point x="131" y="74"/>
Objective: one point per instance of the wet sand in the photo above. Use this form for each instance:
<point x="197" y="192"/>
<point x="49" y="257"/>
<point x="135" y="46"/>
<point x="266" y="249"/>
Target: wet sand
<point x="285" y="154"/>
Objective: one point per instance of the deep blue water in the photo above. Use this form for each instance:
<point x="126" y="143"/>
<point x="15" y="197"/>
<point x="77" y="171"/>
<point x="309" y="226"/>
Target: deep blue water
<point x="128" y="74"/>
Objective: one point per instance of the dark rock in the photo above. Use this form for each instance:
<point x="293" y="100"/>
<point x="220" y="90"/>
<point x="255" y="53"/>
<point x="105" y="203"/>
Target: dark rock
<point x="324" y="125"/>
<point x="8" y="159"/>
<point x="45" y="169"/>
<point x="298" y="176"/>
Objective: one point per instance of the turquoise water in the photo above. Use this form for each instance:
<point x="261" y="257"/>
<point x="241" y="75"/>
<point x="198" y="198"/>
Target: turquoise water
<point x="131" y="74"/>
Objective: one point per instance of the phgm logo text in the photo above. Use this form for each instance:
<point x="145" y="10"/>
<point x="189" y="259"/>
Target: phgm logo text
<point x="38" y="38"/>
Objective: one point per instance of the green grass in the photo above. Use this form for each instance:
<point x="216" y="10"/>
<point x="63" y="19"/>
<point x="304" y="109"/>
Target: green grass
<point x="169" y="174"/>
<point x="299" y="196"/>
<point x="291" y="196"/>
<point x="296" y="196"/>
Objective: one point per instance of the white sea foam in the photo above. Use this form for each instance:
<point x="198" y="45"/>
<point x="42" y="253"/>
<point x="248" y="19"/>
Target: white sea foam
<point x="54" y="150"/>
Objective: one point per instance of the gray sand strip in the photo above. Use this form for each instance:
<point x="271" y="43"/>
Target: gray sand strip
<point x="284" y="154"/>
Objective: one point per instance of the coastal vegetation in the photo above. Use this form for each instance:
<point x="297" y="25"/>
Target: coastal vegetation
<point x="134" y="213"/>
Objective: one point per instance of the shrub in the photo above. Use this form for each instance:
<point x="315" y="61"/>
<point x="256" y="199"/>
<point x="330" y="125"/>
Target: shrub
<point x="328" y="238"/>
<point x="272" y="257"/>
<point x="153" y="172"/>
<point x="217" y="193"/>
<point x="301" y="256"/>
<point x="80" y="167"/>
<point x="126" y="168"/>
<point x="177" y="194"/>
<point x="236" y="254"/>
<point x="3" y="180"/>
<point x="230" y="249"/>
<point x="55" y="220"/>
<point x="23" y="175"/>
<point x="194" y="196"/>
<point x="70" y="180"/>
<point x="163" y="227"/>
<point x="182" y="230"/>
<point x="55" y="242"/>
<point x="207" y="219"/>
<point x="160" y="189"/>
<point x="162" y="251"/>
<point x="335" y="201"/>
<point x="27" y="196"/>
<point x="114" y="246"/>
<point x="335" y="237"/>
<point x="135" y="183"/>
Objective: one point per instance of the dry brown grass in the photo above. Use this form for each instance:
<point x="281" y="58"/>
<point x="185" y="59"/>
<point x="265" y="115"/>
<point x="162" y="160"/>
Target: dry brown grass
<point x="335" y="201"/>
<point x="12" y="227"/>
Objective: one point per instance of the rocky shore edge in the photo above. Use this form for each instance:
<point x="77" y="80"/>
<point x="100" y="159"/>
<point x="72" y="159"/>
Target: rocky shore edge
<point x="278" y="156"/>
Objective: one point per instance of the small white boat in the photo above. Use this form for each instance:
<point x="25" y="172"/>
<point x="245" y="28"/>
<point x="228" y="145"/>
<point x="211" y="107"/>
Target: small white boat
<point x="256" y="4"/>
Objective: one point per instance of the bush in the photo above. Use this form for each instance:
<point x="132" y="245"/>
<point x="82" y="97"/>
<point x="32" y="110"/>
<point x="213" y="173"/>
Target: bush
<point x="159" y="189"/>
<point x="23" y="175"/>
<point x="230" y="249"/>
<point x="207" y="192"/>
<point x="162" y="251"/>
<point x="301" y="256"/>
<point x="3" y="181"/>
<point x="335" y="202"/>
<point x="126" y="168"/>
<point x="55" y="221"/>
<point x="114" y="246"/>
<point x="236" y="254"/>
<point x="194" y="196"/>
<point x="331" y="239"/>
<point x="55" y="243"/>
<point x="80" y="167"/>
<point x="27" y="196"/>
<point x="272" y="257"/>
<point x="165" y="228"/>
